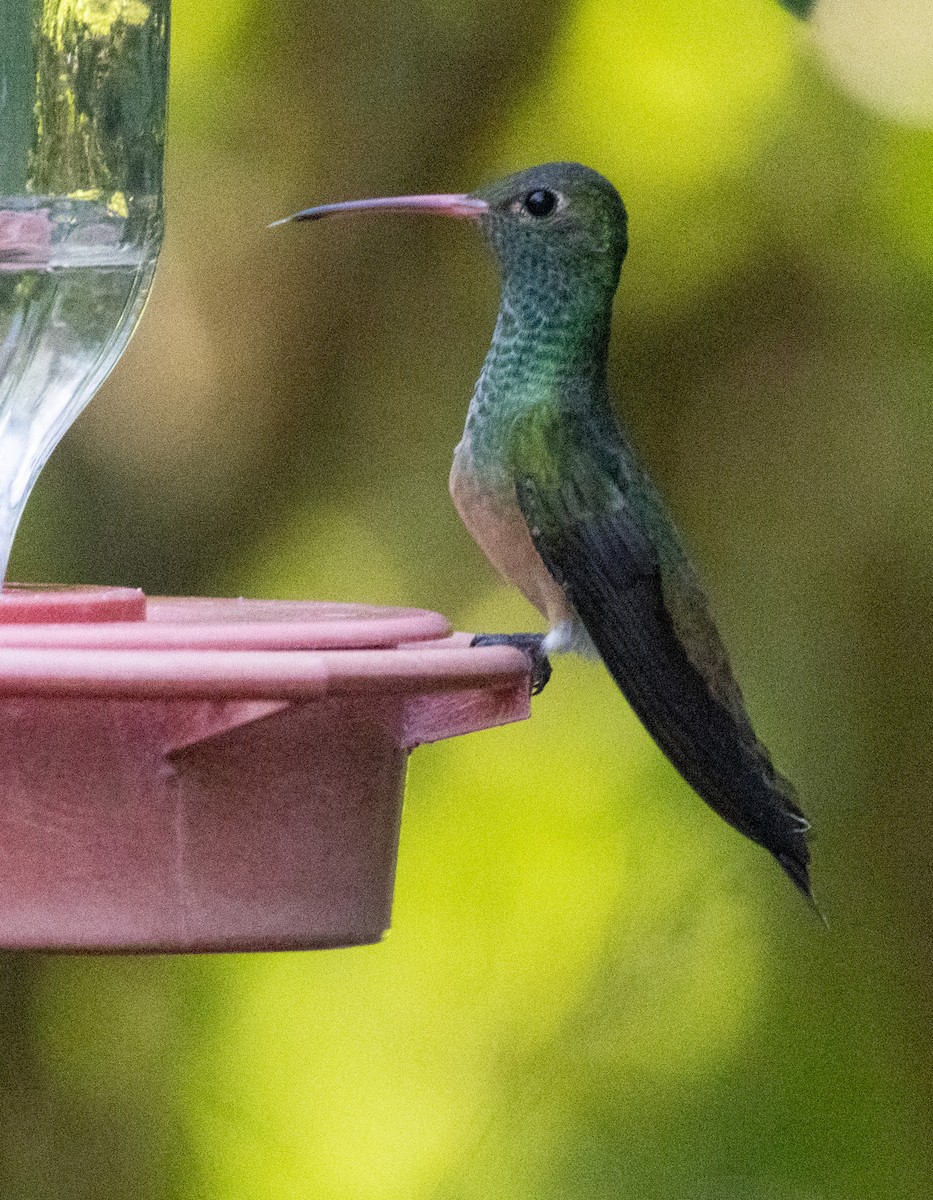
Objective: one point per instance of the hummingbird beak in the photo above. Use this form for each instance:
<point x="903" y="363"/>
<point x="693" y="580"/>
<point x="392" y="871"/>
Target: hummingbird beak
<point x="451" y="205"/>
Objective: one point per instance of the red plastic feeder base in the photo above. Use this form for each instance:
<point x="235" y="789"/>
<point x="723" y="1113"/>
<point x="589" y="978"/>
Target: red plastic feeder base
<point x="193" y="775"/>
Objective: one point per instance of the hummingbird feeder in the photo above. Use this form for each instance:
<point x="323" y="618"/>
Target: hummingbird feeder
<point x="178" y="774"/>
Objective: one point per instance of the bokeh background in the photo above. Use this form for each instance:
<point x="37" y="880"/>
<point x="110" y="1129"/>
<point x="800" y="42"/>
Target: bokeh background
<point x="593" y="987"/>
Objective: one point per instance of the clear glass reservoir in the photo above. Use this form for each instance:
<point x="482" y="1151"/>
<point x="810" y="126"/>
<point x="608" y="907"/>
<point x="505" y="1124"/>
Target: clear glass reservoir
<point x="82" y="127"/>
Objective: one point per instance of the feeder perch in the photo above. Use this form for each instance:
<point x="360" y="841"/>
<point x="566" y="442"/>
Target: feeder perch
<point x="196" y="774"/>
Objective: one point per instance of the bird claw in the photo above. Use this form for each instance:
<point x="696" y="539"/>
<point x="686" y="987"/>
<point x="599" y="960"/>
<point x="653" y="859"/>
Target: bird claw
<point x="531" y="644"/>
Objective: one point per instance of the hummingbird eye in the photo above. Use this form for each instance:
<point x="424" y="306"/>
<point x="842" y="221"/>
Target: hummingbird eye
<point x="540" y="203"/>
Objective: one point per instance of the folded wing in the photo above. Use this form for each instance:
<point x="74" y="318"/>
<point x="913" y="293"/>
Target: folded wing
<point x="612" y="548"/>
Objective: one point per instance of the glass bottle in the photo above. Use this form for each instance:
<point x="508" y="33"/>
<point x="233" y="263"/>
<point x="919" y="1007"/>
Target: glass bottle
<point x="82" y="129"/>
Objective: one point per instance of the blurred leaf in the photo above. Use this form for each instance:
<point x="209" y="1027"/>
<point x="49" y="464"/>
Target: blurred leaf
<point x="800" y="8"/>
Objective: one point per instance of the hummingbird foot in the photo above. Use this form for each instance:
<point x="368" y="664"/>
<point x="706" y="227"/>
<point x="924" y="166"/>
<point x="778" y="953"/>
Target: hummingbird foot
<point x="532" y="644"/>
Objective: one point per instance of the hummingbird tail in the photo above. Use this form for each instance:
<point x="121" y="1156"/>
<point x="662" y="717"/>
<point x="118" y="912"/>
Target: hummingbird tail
<point x="798" y="872"/>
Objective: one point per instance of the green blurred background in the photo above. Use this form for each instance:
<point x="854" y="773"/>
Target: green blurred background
<point x="593" y="987"/>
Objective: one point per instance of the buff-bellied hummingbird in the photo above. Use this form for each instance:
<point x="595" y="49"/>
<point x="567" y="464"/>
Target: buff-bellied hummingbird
<point x="547" y="482"/>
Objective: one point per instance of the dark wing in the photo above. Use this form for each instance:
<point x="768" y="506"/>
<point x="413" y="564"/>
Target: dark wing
<point x="618" y="565"/>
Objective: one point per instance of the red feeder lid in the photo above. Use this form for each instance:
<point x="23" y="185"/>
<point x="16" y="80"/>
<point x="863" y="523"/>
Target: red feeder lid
<point x="53" y="603"/>
<point x="170" y="790"/>
<point x="87" y="641"/>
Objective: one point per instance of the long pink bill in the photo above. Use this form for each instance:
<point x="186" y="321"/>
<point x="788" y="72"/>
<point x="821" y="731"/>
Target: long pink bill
<point x="450" y="205"/>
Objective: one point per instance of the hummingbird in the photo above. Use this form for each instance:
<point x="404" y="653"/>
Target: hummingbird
<point x="547" y="481"/>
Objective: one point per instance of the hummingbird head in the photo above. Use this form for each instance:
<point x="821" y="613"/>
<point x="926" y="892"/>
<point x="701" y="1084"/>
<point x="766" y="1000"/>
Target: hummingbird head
<point x="559" y="225"/>
<point x="559" y="220"/>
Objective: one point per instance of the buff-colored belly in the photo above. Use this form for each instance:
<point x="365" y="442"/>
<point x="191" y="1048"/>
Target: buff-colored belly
<point x="499" y="529"/>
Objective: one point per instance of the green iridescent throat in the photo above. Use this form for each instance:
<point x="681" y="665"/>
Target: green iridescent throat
<point x="549" y="354"/>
